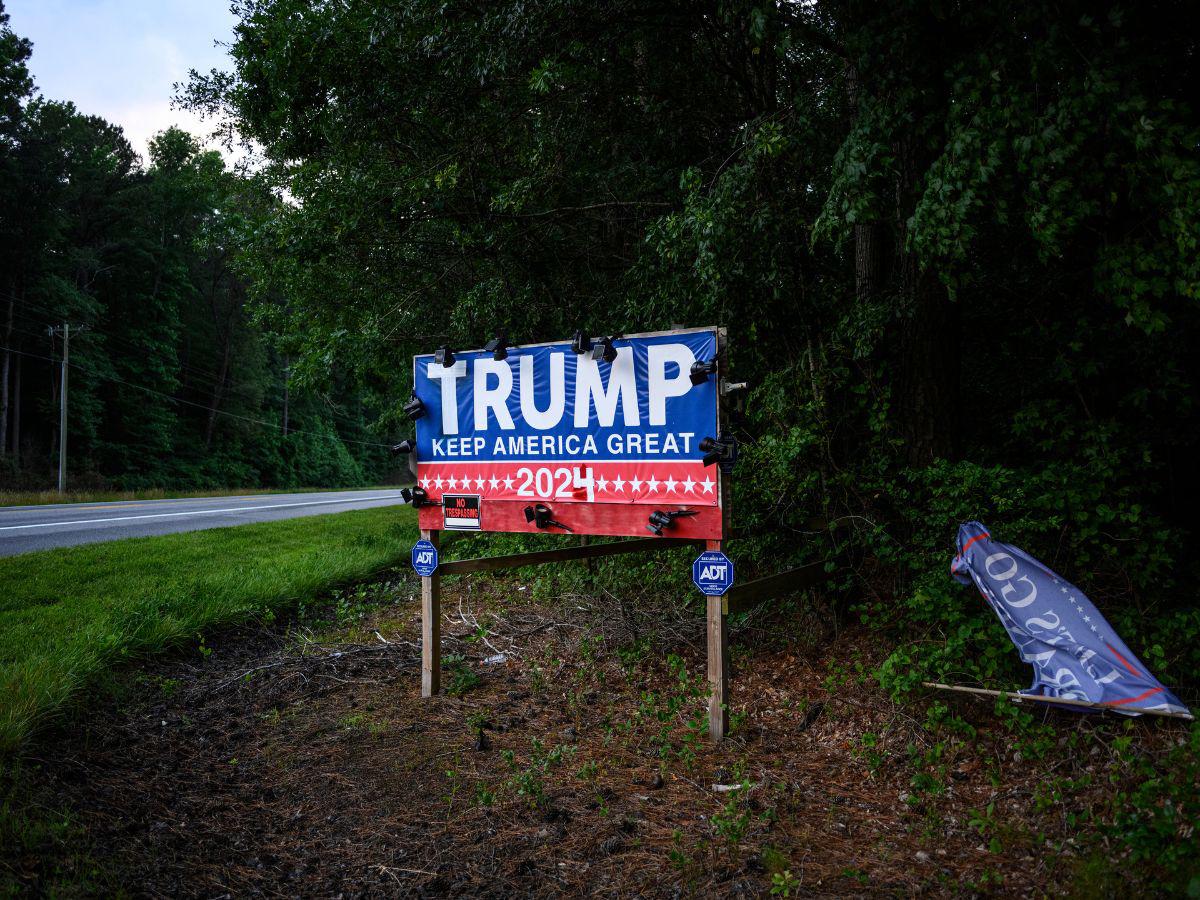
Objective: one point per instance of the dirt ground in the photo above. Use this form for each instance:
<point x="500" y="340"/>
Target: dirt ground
<point x="568" y="757"/>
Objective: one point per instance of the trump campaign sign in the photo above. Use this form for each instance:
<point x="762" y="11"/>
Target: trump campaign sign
<point x="563" y="438"/>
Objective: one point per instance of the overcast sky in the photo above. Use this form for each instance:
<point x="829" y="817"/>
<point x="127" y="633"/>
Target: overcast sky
<point x="119" y="58"/>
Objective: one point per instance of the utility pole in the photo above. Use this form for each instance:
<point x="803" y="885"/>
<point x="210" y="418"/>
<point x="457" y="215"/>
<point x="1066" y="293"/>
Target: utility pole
<point x="287" y="377"/>
<point x="65" y="331"/>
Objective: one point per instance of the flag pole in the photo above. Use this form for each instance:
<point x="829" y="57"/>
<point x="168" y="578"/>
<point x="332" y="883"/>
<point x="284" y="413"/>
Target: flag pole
<point x="1063" y="701"/>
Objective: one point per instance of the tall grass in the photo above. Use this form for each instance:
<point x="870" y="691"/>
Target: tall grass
<point x="66" y="615"/>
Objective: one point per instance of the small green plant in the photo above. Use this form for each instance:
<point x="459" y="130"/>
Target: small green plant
<point x="529" y="781"/>
<point x="856" y="873"/>
<point x="484" y="795"/>
<point x="984" y="821"/>
<point x="783" y="883"/>
<point x="462" y="678"/>
<point x="868" y="751"/>
<point x="732" y="822"/>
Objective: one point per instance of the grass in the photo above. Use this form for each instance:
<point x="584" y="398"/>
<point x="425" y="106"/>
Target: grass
<point x="42" y="498"/>
<point x="67" y="615"/>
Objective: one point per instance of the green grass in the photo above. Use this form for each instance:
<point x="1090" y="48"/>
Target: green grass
<point x="41" y="498"/>
<point x="67" y="615"/>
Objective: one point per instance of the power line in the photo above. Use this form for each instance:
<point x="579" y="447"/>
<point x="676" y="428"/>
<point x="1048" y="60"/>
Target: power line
<point x="219" y="412"/>
<point x="209" y="382"/>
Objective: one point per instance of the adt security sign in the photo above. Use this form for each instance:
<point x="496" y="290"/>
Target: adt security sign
<point x="713" y="573"/>
<point x="424" y="558"/>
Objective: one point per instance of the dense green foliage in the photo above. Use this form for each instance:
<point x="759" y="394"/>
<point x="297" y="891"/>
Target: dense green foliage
<point x="955" y="245"/>
<point x="172" y="384"/>
<point x="67" y="615"/>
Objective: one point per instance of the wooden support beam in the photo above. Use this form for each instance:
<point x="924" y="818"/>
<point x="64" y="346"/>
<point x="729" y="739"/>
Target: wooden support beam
<point x="431" y="626"/>
<point x="741" y="597"/>
<point x="718" y="664"/>
<point x="1054" y="701"/>
<point x="718" y="671"/>
<point x="562" y="554"/>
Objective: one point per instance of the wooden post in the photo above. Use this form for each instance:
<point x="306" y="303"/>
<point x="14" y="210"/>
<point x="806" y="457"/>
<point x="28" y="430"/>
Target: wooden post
<point x="718" y="664"/>
<point x="718" y="637"/>
<point x="431" y="627"/>
<point x="584" y="541"/>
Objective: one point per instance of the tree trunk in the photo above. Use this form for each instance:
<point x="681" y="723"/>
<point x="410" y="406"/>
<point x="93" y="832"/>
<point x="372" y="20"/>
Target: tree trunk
<point x="5" y="365"/>
<point x="287" y="377"/>
<point x="218" y="391"/>
<point x="927" y="371"/>
<point x="927" y="378"/>
<point x="16" y="411"/>
<point x="870" y="260"/>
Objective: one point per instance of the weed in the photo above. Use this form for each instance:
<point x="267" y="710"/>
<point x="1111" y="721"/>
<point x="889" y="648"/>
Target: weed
<point x="783" y="883"/>
<point x="732" y="822"/>
<point x="529" y="781"/>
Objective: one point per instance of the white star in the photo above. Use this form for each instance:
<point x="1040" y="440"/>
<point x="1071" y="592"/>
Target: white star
<point x="1087" y="618"/>
<point x="652" y="484"/>
<point x="1064" y="590"/>
<point x="493" y="481"/>
<point x="452" y="482"/>
<point x="479" y="482"/>
<point x="689" y="485"/>
<point x="507" y="483"/>
<point x="707" y="484"/>
<point x="601" y="482"/>
<point x="618" y="484"/>
<point x="438" y="481"/>
<point x="1093" y="627"/>
<point x="635" y="484"/>
<point x="670" y="483"/>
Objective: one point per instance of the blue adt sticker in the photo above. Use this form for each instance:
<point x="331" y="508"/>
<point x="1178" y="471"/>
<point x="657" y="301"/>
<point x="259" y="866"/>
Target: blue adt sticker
<point x="713" y="573"/>
<point x="424" y="558"/>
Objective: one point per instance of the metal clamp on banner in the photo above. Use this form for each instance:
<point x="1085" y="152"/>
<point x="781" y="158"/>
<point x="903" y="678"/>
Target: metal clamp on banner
<point x="414" y="408"/>
<point x="721" y="449"/>
<point x="660" y="520"/>
<point x="405" y="447"/>
<point x="540" y="514"/>
<point x="418" y="497"/>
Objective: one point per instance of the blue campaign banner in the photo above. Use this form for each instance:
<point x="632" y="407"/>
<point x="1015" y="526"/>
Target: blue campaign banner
<point x="626" y="430"/>
<point x="1074" y="651"/>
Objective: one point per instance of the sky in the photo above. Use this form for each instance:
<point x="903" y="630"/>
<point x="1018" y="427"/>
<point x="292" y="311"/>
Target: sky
<point x="119" y="58"/>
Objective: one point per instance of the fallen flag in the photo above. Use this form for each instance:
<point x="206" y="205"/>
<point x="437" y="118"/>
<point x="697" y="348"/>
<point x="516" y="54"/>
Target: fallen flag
<point x="1074" y="652"/>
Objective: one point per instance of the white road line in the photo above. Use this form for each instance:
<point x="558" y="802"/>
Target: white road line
<point x="196" y="512"/>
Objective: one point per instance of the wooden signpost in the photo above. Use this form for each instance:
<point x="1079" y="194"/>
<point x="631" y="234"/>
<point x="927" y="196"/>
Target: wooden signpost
<point x="617" y="436"/>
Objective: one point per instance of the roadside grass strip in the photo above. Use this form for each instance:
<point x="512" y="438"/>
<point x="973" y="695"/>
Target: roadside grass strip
<point x="67" y="615"/>
<point x="54" y="498"/>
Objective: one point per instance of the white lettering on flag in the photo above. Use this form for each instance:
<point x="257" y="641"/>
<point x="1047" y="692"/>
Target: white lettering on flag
<point x="622" y="387"/>
<point x="660" y="387"/>
<point x="448" y="376"/>
<point x="543" y="419"/>
<point x="495" y="399"/>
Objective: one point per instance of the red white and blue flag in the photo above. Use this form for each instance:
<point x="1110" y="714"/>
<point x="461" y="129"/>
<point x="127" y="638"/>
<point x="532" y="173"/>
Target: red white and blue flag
<point x="1074" y="652"/>
<point x="546" y="424"/>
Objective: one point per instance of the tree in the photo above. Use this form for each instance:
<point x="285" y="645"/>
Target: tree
<point x="955" y="244"/>
<point x="15" y="88"/>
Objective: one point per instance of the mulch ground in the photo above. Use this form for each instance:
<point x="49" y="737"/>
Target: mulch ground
<point x="300" y="761"/>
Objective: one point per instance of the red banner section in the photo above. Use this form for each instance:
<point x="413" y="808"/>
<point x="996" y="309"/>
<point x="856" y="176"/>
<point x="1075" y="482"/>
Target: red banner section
<point x="618" y="519"/>
<point x="687" y="483"/>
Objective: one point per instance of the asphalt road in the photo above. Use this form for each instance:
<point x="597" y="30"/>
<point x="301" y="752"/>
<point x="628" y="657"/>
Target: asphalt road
<point x="27" y="528"/>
